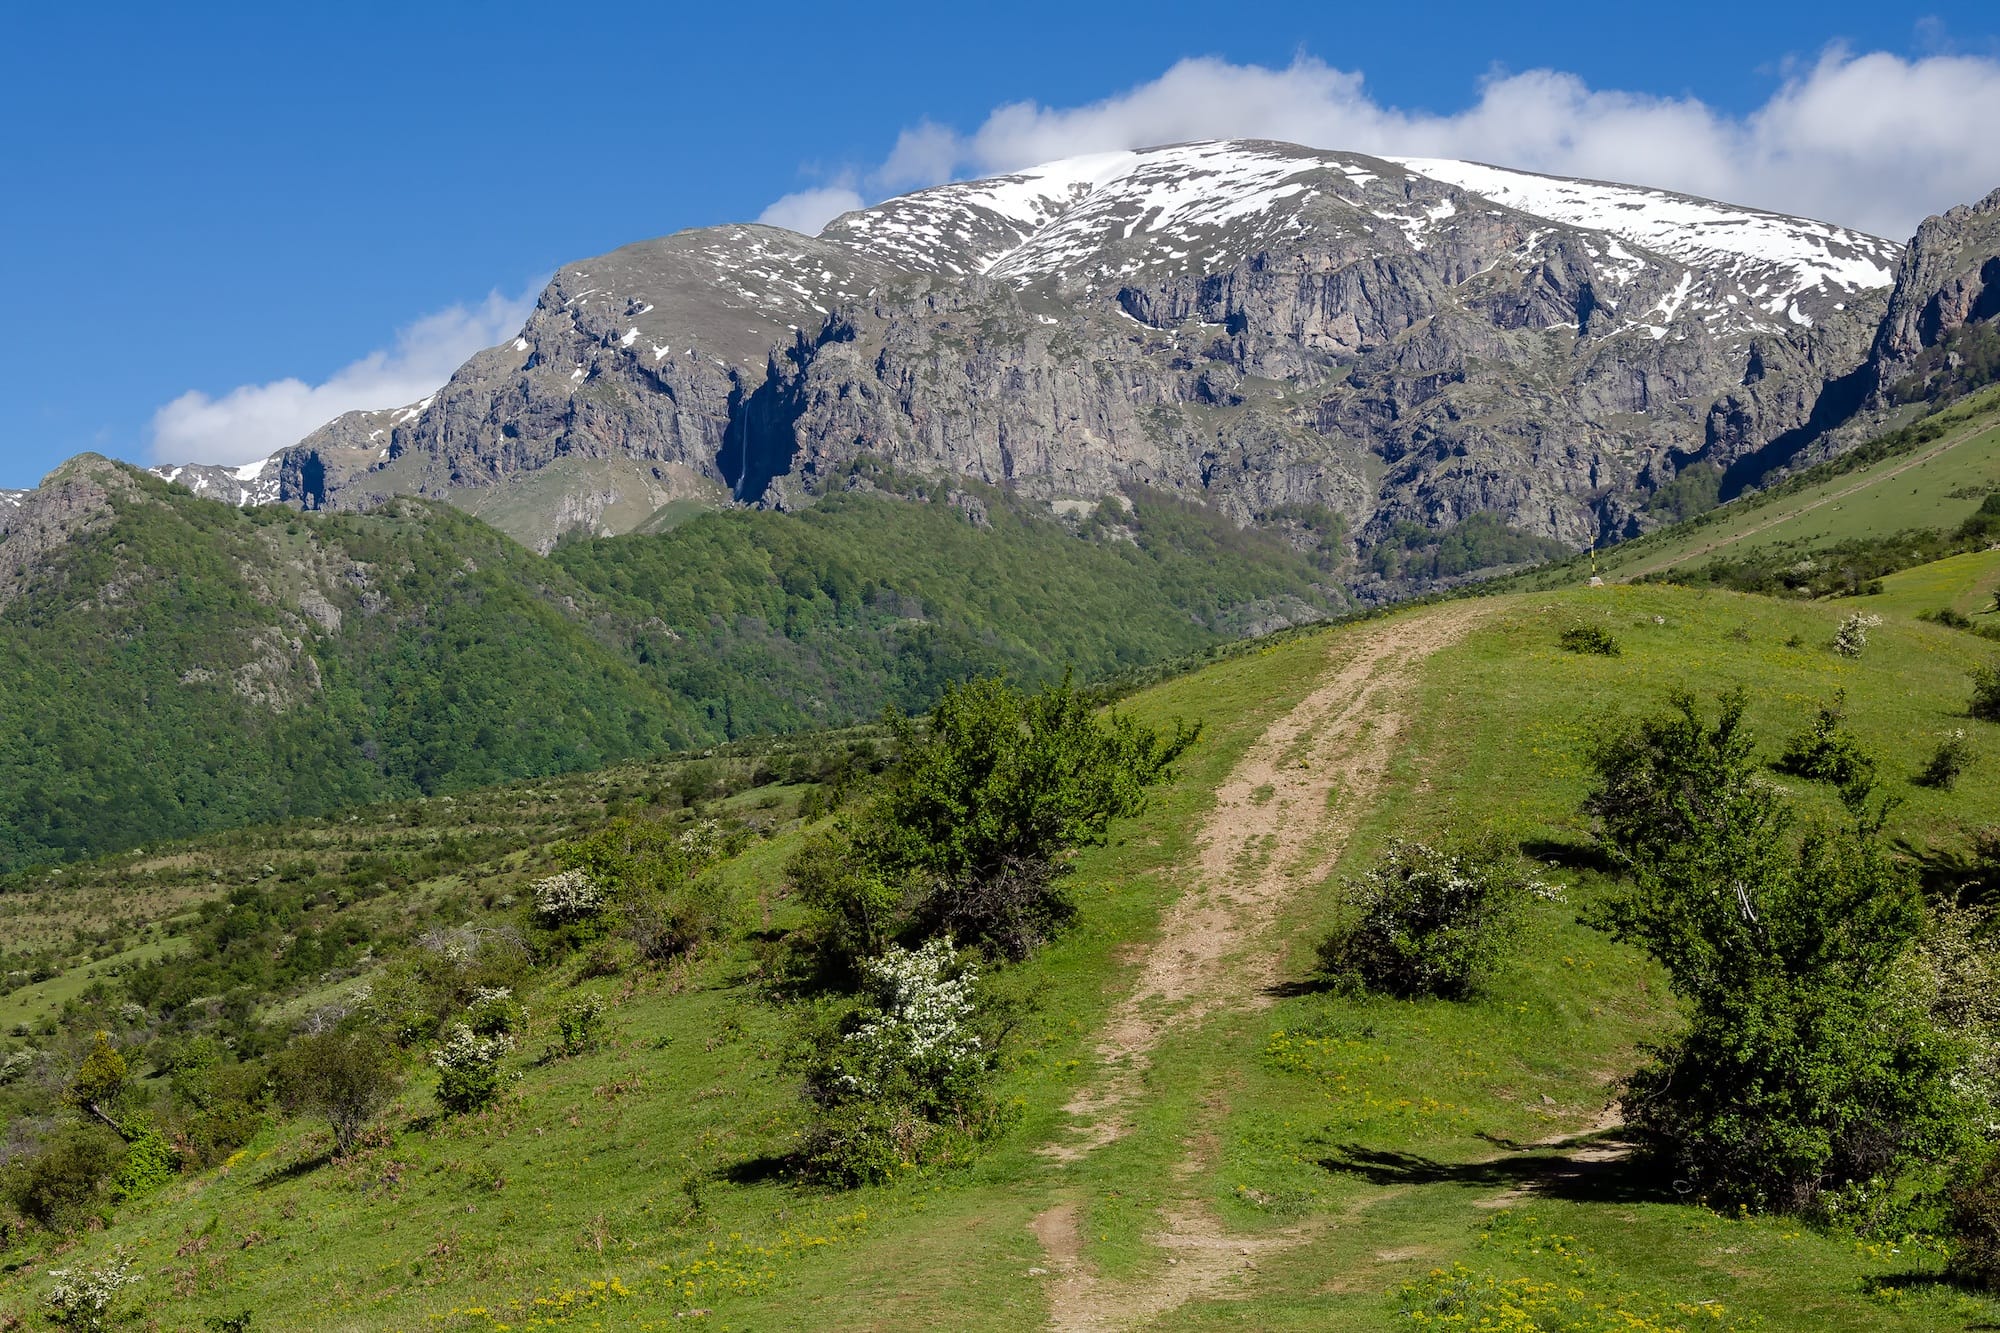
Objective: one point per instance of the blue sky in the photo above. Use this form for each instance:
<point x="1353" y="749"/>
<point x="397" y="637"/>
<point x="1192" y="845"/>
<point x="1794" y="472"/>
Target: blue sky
<point x="219" y="198"/>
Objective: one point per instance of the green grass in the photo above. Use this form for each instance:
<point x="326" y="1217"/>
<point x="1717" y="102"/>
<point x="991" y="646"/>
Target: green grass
<point x="1936" y="485"/>
<point x="1383" y="1127"/>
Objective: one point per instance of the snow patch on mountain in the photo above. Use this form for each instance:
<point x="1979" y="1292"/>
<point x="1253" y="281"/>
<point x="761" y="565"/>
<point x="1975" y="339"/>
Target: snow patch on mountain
<point x="1698" y="232"/>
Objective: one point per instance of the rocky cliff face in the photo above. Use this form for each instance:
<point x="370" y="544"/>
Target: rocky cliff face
<point x="1948" y="282"/>
<point x="1254" y="325"/>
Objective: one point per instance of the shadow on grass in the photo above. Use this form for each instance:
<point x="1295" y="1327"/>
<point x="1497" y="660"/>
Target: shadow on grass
<point x="1570" y="854"/>
<point x="1926" y="1284"/>
<point x="1965" y="876"/>
<point x="763" y="1170"/>
<point x="1590" y="1169"/>
<point x="305" y="1166"/>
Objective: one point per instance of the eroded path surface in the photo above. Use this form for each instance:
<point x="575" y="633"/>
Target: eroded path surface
<point x="1280" y="821"/>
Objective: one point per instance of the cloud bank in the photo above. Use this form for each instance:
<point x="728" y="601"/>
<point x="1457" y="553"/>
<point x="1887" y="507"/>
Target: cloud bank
<point x="809" y="210"/>
<point x="1873" y="141"/>
<point x="255" y="420"/>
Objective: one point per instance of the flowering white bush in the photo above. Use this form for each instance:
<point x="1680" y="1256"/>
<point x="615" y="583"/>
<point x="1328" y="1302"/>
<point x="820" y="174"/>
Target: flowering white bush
<point x="468" y="1068"/>
<point x="699" y="842"/>
<point x="918" y="1022"/>
<point x="1430" y="920"/>
<point x="83" y="1299"/>
<point x="1852" y="636"/>
<point x="568" y="895"/>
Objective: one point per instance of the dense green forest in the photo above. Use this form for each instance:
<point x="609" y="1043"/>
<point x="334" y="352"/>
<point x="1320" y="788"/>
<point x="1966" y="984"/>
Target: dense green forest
<point x="181" y="665"/>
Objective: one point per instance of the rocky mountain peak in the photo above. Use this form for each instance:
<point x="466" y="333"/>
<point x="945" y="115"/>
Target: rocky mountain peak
<point x="1257" y="326"/>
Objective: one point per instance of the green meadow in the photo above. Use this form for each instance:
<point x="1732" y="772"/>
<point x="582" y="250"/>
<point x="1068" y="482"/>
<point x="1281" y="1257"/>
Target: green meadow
<point x="1366" y="1152"/>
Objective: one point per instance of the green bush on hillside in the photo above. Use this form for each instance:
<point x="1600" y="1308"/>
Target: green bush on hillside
<point x="1430" y="921"/>
<point x="992" y="791"/>
<point x="968" y="835"/>
<point x="1947" y="762"/>
<point x="1985" y="703"/>
<point x="1590" y="639"/>
<point x="1799" y="1070"/>
<point x="1972" y="1224"/>
<point x="647" y="883"/>
<point x="900" y="1080"/>
<point x="343" y="1075"/>
<point x="1826" y="751"/>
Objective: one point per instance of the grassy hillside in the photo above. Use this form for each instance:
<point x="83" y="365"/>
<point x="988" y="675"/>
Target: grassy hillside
<point x="1928" y="476"/>
<point x="183" y="665"/>
<point x="1342" y="1159"/>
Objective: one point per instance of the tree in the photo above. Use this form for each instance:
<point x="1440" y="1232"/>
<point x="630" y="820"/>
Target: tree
<point x="990" y="794"/>
<point x="99" y="1080"/>
<point x="345" y="1075"/>
<point x="1798" y="1070"/>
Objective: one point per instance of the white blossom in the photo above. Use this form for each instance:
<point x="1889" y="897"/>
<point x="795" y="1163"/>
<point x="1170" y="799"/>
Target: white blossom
<point x="568" y="895"/>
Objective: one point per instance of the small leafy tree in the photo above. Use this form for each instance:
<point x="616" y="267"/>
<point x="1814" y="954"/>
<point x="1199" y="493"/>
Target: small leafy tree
<point x="1826" y="751"/>
<point x="99" y="1080"/>
<point x="1985" y="703"/>
<point x="993" y="791"/>
<point x="344" y="1075"/>
<point x="857" y="909"/>
<point x="1430" y="921"/>
<point x="1799" y="1070"/>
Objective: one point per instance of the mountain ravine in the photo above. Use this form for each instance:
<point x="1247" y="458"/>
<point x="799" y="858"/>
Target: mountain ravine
<point x="1265" y="328"/>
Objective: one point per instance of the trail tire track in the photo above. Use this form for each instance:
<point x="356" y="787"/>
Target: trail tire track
<point x="1280" y="822"/>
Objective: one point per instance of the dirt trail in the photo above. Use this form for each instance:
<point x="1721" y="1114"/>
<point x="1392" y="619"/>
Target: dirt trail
<point x="1918" y="459"/>
<point x="1279" y="823"/>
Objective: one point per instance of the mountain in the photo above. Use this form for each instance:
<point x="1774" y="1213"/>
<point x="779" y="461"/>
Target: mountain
<point x="1940" y="335"/>
<point x="169" y="664"/>
<point x="1252" y="325"/>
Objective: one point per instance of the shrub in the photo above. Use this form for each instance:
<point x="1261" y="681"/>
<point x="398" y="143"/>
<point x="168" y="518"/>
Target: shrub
<point x="345" y="1076"/>
<point x="903" y="1072"/>
<point x="1852" y="636"/>
<point x="650" y="873"/>
<point x="150" y="1162"/>
<point x="1827" y="752"/>
<point x="1801" y="1068"/>
<point x="494" y="1012"/>
<point x="1947" y="762"/>
<point x="468" y="1069"/>
<point x="1947" y="616"/>
<point x="856" y="909"/>
<point x="997" y="787"/>
<point x="99" y="1080"/>
<point x="567" y="895"/>
<point x="1431" y="921"/>
<point x="84" y="1300"/>
<point x="59" y="1185"/>
<point x="1985" y="703"/>
<point x="579" y="1025"/>
<point x="1972" y="1224"/>
<point x="1591" y="639"/>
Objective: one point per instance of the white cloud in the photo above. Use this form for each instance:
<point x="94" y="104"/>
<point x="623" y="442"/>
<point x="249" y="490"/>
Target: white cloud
<point x="255" y="420"/>
<point x="809" y="210"/>
<point x="1874" y="141"/>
